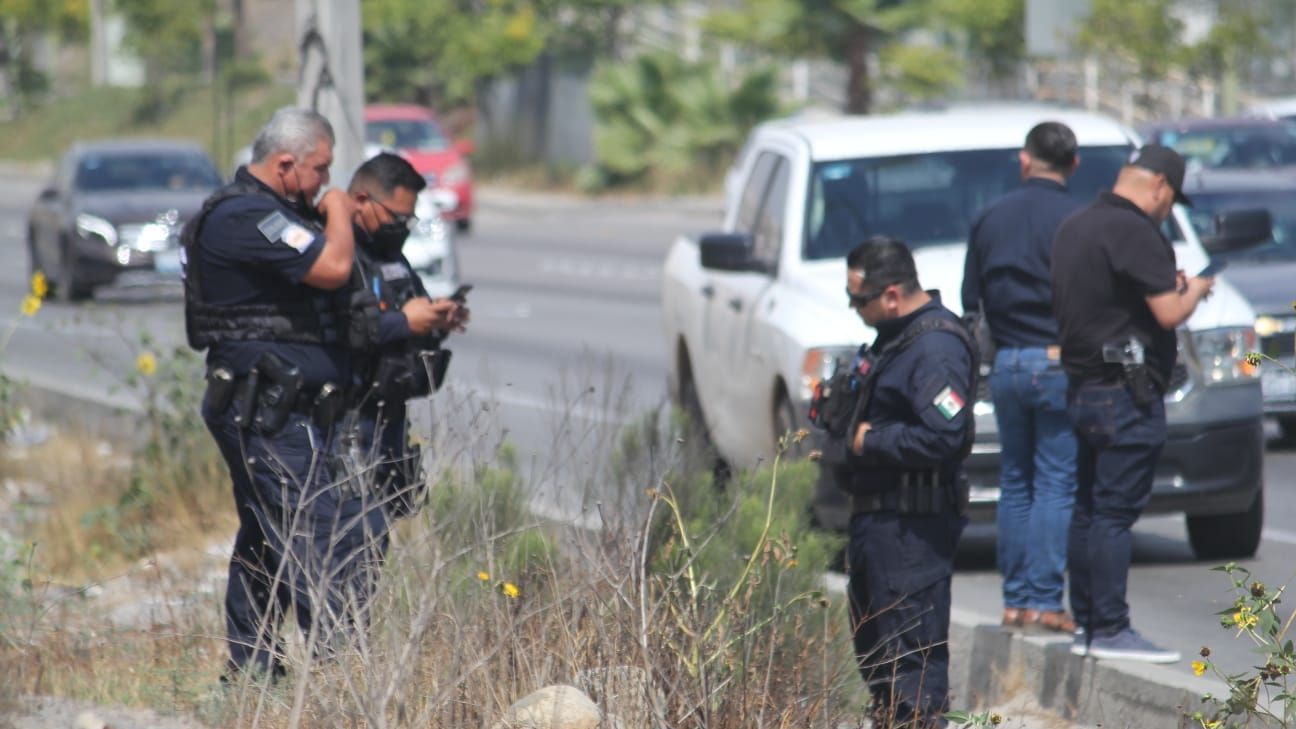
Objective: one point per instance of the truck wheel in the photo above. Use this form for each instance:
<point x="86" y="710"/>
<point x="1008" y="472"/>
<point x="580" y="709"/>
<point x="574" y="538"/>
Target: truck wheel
<point x="785" y="424"/>
<point x="1228" y="536"/>
<point x="69" y="288"/>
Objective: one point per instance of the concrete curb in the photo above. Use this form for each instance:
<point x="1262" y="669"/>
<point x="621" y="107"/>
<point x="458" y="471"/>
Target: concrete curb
<point x="989" y="662"/>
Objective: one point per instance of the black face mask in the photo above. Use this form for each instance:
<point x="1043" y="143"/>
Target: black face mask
<point x="389" y="239"/>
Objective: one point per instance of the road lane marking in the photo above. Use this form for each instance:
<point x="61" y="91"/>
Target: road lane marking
<point x="600" y="269"/>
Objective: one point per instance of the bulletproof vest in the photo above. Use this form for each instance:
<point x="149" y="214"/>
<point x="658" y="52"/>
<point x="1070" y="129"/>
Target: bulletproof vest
<point x="321" y="318"/>
<point x="395" y="372"/>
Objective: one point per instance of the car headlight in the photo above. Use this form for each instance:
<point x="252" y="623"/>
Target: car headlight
<point x="88" y="225"/>
<point x="455" y="174"/>
<point x="1222" y="353"/>
<point x="819" y="364"/>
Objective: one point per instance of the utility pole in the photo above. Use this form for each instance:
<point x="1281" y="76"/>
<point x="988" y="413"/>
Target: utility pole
<point x="330" y="76"/>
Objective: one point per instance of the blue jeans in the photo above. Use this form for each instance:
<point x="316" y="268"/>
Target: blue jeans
<point x="1037" y="476"/>
<point x="1120" y="443"/>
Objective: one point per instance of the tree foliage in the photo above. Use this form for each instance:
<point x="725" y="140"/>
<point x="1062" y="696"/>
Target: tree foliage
<point x="1147" y="33"/>
<point x="851" y="31"/>
<point x="21" y="22"/>
<point x="662" y="117"/>
<point x="995" y="30"/>
<point x="441" y="50"/>
<point x="168" y="35"/>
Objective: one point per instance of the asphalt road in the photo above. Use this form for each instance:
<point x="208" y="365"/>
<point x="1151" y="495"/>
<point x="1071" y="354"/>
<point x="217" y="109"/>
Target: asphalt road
<point x="565" y="347"/>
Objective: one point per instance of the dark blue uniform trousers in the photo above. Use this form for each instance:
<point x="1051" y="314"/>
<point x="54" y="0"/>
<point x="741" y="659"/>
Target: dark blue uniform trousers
<point x="390" y="460"/>
<point x="302" y="543"/>
<point x="1119" y="444"/>
<point x="900" y="568"/>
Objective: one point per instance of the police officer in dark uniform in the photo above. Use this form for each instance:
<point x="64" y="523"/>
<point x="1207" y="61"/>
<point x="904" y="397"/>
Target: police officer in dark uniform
<point x="266" y="293"/>
<point x="899" y="425"/>
<point x="408" y="361"/>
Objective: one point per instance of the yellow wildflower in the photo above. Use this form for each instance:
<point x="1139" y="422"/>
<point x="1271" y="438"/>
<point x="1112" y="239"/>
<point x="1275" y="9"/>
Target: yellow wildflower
<point x="483" y="576"/>
<point x="1212" y="724"/>
<point x="511" y="590"/>
<point x="39" y="285"/>
<point x="30" y="305"/>
<point x="996" y="719"/>
<point x="1198" y="667"/>
<point x="146" y="363"/>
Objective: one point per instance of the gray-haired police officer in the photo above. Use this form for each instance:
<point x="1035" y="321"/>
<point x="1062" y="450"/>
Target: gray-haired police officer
<point x="266" y="294"/>
<point x="900" y="425"/>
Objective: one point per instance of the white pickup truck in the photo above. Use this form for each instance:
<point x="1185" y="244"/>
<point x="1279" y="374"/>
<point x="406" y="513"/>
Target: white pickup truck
<point x="756" y="314"/>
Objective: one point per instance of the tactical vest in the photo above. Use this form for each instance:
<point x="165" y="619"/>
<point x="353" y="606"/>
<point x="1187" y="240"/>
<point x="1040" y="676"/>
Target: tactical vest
<point x="322" y="318"/>
<point x="395" y="372"/>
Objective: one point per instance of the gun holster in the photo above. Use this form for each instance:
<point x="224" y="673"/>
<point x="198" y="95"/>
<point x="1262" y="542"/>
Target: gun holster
<point x="328" y="406"/>
<point x="279" y="386"/>
<point x="1141" y="384"/>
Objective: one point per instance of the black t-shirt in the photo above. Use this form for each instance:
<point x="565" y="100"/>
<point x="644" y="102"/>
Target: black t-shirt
<point x="256" y="249"/>
<point x="1107" y="259"/>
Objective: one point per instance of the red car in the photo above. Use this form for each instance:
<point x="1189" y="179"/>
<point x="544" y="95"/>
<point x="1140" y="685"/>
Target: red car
<point x="414" y="132"/>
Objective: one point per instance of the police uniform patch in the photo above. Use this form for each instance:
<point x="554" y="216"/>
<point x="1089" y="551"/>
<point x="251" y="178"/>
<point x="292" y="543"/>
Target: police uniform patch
<point x="272" y="226"/>
<point x="948" y="402"/>
<point x="394" y="271"/>
<point x="297" y="237"/>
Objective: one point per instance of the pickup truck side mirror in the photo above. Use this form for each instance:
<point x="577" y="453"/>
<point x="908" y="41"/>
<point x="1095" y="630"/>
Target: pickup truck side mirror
<point x="728" y="252"/>
<point x="1239" y="229"/>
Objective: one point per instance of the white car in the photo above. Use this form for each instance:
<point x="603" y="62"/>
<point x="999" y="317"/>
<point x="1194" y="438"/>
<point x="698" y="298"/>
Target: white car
<point x="430" y="248"/>
<point x="756" y="314"/>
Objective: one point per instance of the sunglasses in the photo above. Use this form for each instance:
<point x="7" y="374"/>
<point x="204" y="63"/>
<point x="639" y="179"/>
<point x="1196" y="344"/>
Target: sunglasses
<point x="861" y="300"/>
<point x="406" y="219"/>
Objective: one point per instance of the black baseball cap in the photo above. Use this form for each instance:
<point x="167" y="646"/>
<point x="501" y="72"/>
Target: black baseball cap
<point x="1166" y="161"/>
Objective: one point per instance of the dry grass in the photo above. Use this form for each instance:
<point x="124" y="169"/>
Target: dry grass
<point x="710" y="596"/>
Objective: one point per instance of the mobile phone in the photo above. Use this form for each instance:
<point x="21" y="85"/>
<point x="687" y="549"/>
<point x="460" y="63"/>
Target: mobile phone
<point x="1212" y="268"/>
<point x="461" y="294"/>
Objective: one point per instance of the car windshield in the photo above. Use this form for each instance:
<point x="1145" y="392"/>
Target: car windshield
<point x="1244" y="147"/>
<point x="926" y="199"/>
<point x="1281" y="204"/>
<point x="417" y="134"/>
<point x="179" y="171"/>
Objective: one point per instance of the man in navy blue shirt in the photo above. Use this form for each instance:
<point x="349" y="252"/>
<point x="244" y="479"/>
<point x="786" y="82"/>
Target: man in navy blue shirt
<point x="901" y="462"/>
<point x="385" y="190"/>
<point x="265" y="293"/>
<point x="1006" y="278"/>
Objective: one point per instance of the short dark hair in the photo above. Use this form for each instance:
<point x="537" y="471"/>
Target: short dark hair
<point x="385" y="172"/>
<point x="1052" y="143"/>
<point x="884" y="260"/>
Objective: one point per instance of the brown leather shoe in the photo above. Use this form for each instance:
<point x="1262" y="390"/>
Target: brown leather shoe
<point x="1048" y="621"/>
<point x="1014" y="618"/>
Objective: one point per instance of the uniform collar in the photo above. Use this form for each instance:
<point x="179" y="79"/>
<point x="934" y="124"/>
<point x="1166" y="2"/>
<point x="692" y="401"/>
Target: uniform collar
<point x="247" y="178"/>
<point x="1108" y="197"/>
<point x="1045" y="184"/>
<point x="891" y="328"/>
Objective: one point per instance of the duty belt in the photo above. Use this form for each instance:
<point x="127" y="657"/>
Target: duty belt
<point x="916" y="492"/>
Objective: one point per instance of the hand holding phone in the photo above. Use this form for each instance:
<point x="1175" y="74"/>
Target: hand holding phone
<point x="460" y="295"/>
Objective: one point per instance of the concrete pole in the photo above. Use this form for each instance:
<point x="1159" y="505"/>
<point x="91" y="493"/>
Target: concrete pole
<point x="330" y="78"/>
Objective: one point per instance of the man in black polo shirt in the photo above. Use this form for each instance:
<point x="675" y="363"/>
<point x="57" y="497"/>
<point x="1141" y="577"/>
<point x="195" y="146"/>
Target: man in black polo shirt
<point x="1006" y="277"/>
<point x="1118" y="298"/>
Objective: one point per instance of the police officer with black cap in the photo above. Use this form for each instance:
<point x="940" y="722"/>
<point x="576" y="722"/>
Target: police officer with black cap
<point x="899" y="424"/>
<point x="266" y="293"/>
<point x="408" y="361"/>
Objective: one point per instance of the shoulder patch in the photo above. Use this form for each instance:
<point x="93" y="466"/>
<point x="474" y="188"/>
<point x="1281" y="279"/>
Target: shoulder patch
<point x="948" y="402"/>
<point x="394" y="271"/>
<point x="297" y="237"/>
<point x="272" y="226"/>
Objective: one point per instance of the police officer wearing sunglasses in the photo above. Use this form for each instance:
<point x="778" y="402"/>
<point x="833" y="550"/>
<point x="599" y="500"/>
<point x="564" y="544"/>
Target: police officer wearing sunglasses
<point x="899" y="425"/>
<point x="408" y="361"/>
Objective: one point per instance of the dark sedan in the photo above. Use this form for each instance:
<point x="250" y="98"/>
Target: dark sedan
<point x="113" y="213"/>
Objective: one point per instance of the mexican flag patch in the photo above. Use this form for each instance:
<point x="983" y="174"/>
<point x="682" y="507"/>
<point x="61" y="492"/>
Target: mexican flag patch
<point x="948" y="403"/>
